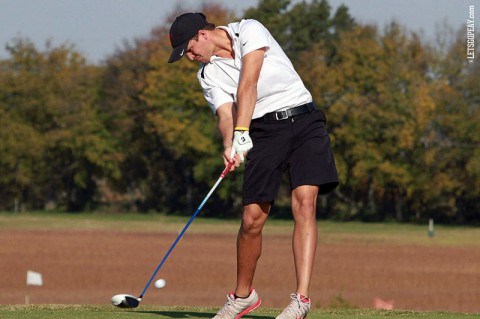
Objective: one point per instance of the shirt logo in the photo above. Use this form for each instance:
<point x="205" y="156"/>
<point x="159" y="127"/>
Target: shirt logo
<point x="181" y="53"/>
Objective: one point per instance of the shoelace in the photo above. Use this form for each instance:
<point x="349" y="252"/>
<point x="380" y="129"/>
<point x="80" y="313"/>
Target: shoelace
<point x="229" y="307"/>
<point x="294" y="308"/>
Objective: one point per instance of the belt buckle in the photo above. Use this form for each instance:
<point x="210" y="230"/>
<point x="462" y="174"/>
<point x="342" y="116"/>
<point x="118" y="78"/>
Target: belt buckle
<point x="284" y="115"/>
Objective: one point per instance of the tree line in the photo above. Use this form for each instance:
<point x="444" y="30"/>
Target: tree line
<point x="134" y="133"/>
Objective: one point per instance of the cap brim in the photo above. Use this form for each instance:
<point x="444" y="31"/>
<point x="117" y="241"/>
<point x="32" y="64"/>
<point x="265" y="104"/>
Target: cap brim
<point x="178" y="52"/>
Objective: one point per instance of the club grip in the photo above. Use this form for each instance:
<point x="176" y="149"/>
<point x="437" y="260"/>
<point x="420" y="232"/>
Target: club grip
<point x="227" y="169"/>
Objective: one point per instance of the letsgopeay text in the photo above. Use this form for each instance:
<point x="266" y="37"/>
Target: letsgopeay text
<point x="471" y="34"/>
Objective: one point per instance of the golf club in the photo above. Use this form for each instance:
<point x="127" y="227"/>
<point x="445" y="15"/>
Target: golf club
<point x="129" y="301"/>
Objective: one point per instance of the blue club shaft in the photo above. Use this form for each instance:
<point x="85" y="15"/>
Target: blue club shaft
<point x="224" y="173"/>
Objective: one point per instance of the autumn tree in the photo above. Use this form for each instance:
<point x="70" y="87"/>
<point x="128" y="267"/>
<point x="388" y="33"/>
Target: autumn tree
<point x="398" y="124"/>
<point x="136" y="133"/>
<point x="158" y="112"/>
<point x="451" y="155"/>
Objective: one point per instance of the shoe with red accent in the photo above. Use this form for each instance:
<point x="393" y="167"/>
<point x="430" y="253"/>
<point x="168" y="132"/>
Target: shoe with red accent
<point x="235" y="308"/>
<point x="297" y="309"/>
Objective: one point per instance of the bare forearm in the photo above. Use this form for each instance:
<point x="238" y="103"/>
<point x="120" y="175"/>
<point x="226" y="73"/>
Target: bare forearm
<point x="226" y="121"/>
<point x="225" y="126"/>
<point x="247" y="98"/>
<point x="247" y="88"/>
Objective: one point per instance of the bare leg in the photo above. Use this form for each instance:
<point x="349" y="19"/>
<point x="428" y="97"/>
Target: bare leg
<point x="249" y="245"/>
<point x="304" y="242"/>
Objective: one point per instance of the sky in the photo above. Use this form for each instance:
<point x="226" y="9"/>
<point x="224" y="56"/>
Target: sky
<point x="98" y="27"/>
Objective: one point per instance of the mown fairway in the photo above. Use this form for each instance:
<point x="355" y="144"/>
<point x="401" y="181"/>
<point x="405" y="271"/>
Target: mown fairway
<point x="151" y="312"/>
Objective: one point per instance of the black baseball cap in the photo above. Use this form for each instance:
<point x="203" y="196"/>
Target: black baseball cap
<point x="184" y="28"/>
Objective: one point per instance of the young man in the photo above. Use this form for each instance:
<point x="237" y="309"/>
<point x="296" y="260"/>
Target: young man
<point x="265" y="114"/>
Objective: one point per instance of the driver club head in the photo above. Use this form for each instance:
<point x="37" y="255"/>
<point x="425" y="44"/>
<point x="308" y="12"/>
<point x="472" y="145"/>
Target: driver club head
<point x="125" y="301"/>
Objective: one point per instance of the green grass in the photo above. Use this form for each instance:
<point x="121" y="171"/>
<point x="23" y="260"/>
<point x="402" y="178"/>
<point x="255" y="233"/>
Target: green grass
<point x="155" y="312"/>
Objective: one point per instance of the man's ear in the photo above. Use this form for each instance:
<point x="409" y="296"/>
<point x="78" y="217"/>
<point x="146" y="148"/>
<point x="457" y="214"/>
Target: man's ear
<point x="203" y="33"/>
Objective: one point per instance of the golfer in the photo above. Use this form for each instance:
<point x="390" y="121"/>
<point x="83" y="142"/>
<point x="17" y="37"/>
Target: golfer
<point x="267" y="118"/>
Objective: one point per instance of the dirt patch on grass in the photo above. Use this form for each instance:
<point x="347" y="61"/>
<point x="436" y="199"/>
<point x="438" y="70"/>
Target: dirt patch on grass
<point x="89" y="267"/>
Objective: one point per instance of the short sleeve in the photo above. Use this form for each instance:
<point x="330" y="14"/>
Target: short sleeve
<point x="253" y="36"/>
<point x="216" y="97"/>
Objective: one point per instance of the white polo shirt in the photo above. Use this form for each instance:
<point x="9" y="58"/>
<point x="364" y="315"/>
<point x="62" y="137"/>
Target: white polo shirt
<point x="279" y="86"/>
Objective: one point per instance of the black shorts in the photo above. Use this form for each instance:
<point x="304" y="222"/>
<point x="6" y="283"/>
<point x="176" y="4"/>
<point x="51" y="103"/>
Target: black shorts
<point x="299" y="145"/>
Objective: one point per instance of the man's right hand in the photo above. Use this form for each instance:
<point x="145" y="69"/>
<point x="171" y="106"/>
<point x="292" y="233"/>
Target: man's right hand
<point x="229" y="157"/>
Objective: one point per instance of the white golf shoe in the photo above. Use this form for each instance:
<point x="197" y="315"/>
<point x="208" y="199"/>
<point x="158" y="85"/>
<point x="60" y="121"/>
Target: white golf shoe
<point x="235" y="308"/>
<point x="297" y="309"/>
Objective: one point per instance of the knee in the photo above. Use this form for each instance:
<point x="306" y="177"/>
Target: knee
<point x="304" y="209"/>
<point x="253" y="221"/>
<point x="251" y="225"/>
<point x="304" y="201"/>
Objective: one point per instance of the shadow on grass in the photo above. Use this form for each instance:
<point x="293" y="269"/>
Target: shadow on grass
<point x="180" y="314"/>
<point x="194" y="314"/>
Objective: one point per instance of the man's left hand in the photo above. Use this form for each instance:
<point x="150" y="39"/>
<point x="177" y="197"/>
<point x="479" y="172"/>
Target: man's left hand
<point x="242" y="143"/>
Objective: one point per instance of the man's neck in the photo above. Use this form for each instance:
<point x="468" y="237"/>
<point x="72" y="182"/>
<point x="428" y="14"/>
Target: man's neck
<point x="223" y="43"/>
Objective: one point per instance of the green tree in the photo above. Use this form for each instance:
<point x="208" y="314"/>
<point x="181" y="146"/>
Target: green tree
<point x="51" y="97"/>
<point x="272" y="14"/>
<point x="299" y="27"/>
<point x="22" y="148"/>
